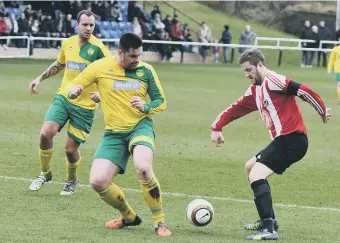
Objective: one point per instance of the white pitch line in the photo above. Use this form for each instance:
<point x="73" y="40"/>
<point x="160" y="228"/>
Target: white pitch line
<point x="196" y="196"/>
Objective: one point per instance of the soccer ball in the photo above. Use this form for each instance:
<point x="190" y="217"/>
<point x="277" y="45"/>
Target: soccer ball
<point x="199" y="212"/>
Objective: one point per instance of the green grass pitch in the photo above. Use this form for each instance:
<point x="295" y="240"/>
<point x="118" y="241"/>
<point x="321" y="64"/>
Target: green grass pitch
<point x="186" y="163"/>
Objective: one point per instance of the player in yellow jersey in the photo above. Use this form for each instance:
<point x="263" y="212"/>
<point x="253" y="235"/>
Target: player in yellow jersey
<point x="76" y="53"/>
<point x="124" y="83"/>
<point x="334" y="65"/>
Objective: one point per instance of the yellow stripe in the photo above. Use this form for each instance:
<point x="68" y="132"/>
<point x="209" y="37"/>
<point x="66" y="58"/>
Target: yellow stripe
<point x="142" y="139"/>
<point x="77" y="133"/>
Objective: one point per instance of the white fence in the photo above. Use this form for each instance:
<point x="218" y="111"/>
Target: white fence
<point x="277" y="45"/>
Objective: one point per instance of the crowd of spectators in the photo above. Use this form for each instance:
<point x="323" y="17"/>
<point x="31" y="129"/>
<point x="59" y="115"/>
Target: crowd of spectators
<point x="317" y="33"/>
<point x="57" y="19"/>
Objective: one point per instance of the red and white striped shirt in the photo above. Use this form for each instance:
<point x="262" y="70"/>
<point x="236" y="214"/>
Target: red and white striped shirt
<point x="278" y="109"/>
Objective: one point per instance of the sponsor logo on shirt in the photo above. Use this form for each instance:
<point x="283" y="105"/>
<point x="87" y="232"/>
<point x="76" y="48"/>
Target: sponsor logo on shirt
<point x="126" y="85"/>
<point x="76" y="66"/>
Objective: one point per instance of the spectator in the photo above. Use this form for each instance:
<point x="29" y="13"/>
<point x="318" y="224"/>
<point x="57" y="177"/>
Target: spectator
<point x="313" y="35"/>
<point x="60" y="26"/>
<point x="167" y="22"/>
<point x="76" y="7"/>
<point x="187" y="37"/>
<point x="12" y="4"/>
<point x="136" y="28"/>
<point x="115" y="12"/>
<point x="3" y="32"/>
<point x="35" y="27"/>
<point x="96" y="32"/>
<point x="337" y="35"/>
<point x="176" y="32"/>
<point x="226" y="39"/>
<point x="48" y="30"/>
<point x="28" y="11"/>
<point x="2" y="8"/>
<point x="204" y="35"/>
<point x="108" y="12"/>
<point x="216" y="52"/>
<point x="176" y="35"/>
<point x="155" y="11"/>
<point x="24" y="28"/>
<point x="246" y="38"/>
<point x="174" y="19"/>
<point x="3" y="12"/>
<point x="146" y="33"/>
<point x="13" y="29"/>
<point x="157" y="24"/>
<point x="99" y="9"/>
<point x="164" y="50"/>
<point x="68" y="26"/>
<point x="324" y="34"/>
<point x="135" y="11"/>
<point x="305" y="32"/>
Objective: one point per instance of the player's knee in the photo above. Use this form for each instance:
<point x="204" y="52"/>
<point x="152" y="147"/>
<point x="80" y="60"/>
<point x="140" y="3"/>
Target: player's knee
<point x="99" y="184"/>
<point x="71" y="150"/>
<point x="144" y="171"/>
<point x="46" y="134"/>
<point x="255" y="175"/>
<point x="49" y="130"/>
<point x="249" y="165"/>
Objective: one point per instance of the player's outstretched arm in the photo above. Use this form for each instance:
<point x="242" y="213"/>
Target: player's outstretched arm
<point x="307" y="94"/>
<point x="52" y="70"/>
<point x="243" y="106"/>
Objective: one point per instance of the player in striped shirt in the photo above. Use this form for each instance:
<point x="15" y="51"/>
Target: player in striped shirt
<point x="273" y="95"/>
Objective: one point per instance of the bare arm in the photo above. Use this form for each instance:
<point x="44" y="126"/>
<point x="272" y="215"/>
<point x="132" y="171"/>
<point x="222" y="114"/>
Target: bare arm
<point x="52" y="70"/>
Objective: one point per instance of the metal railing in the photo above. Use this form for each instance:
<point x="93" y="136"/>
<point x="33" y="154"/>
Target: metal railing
<point x="277" y="46"/>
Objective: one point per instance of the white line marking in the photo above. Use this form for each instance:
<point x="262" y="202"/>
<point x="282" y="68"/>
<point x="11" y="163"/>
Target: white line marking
<point x="196" y="196"/>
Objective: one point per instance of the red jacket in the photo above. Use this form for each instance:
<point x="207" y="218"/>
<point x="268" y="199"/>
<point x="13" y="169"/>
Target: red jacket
<point x="176" y="31"/>
<point x="3" y="26"/>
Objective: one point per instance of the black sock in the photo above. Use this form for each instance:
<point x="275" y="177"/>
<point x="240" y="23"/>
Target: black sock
<point x="263" y="202"/>
<point x="273" y="214"/>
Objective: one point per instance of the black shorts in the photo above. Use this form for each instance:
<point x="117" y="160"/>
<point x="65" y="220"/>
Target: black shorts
<point x="283" y="151"/>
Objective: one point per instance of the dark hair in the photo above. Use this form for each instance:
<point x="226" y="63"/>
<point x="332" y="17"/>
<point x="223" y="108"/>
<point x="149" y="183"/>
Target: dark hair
<point x="88" y="13"/>
<point x="226" y="27"/>
<point x="253" y="56"/>
<point x="129" y="40"/>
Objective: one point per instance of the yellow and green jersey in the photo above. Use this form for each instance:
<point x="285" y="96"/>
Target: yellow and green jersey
<point x="76" y="58"/>
<point x="117" y="86"/>
<point x="334" y="60"/>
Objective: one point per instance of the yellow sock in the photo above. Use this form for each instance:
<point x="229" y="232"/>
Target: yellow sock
<point x="45" y="160"/>
<point x="115" y="197"/>
<point x="338" y="91"/>
<point x="153" y="197"/>
<point x="72" y="170"/>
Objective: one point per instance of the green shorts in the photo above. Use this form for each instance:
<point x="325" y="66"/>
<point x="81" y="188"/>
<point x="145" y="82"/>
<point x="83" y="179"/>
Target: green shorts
<point x="80" y="119"/>
<point x="117" y="146"/>
<point x="337" y="77"/>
